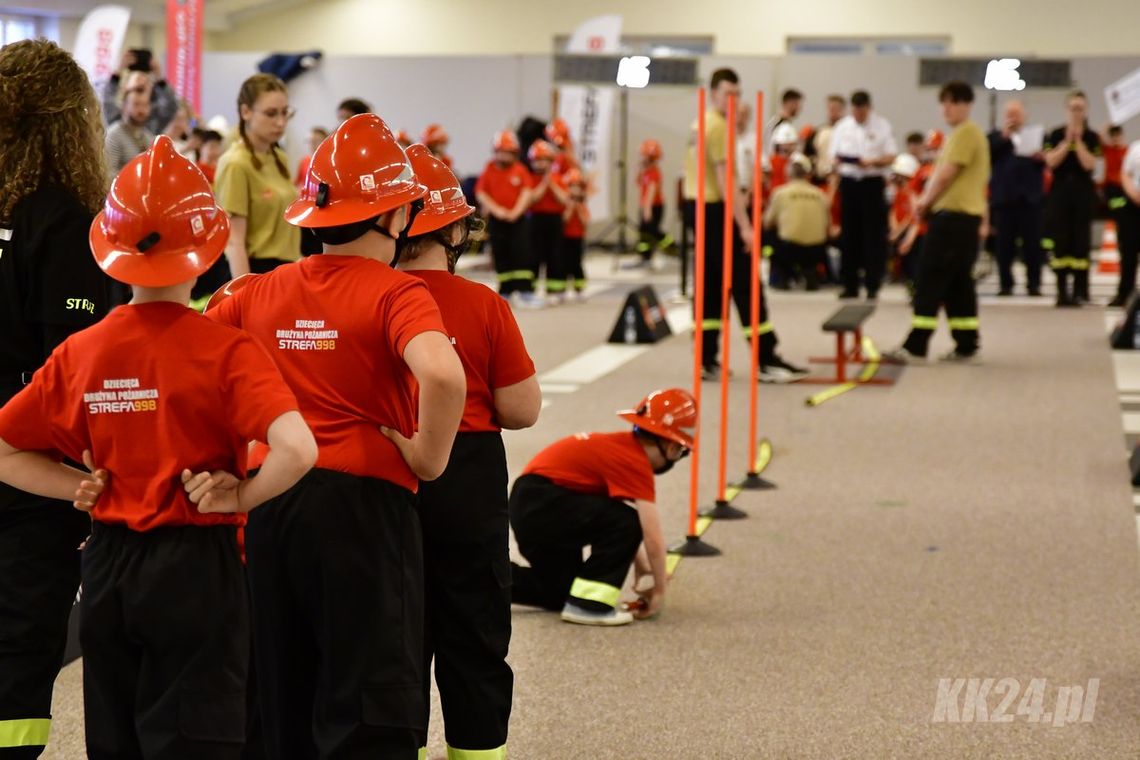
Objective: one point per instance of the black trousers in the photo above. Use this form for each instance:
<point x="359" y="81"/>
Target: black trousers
<point x="649" y="234"/>
<point x="336" y="574"/>
<point x="863" y="210"/>
<point x="552" y="526"/>
<point x="572" y="251"/>
<point x="1068" y="225"/>
<point x="39" y="575"/>
<point x="806" y="260"/>
<point x="546" y="249"/>
<point x="468" y="598"/>
<point x="212" y="279"/>
<point x="742" y="284"/>
<point x="1128" y="241"/>
<point x="946" y="281"/>
<point x="164" y="624"/>
<point x="509" y="250"/>
<point x="1018" y="225"/>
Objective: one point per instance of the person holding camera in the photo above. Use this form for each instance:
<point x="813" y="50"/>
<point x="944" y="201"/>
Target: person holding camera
<point x="141" y="73"/>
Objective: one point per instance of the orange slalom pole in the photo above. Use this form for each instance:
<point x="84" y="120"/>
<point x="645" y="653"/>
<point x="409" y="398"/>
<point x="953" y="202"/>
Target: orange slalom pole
<point x="757" y="241"/>
<point x="726" y="293"/>
<point x="698" y="312"/>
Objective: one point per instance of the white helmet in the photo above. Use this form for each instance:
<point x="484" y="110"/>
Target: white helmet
<point x="802" y="161"/>
<point x="785" y="134"/>
<point x="905" y="165"/>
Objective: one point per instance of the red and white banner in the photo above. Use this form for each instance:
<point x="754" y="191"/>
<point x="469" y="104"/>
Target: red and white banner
<point x="99" y="42"/>
<point x="589" y="111"/>
<point x="184" y="49"/>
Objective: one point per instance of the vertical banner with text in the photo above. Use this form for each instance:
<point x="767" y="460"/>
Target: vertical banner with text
<point x="99" y="41"/>
<point x="184" y="49"/>
<point x="589" y="111"/>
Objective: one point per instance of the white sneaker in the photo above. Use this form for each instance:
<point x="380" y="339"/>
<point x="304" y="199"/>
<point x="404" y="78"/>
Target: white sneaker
<point x="953" y="357"/>
<point x="556" y="299"/>
<point x="528" y="301"/>
<point x="572" y="613"/>
<point x="901" y="355"/>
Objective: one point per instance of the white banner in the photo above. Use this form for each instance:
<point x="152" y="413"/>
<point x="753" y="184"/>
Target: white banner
<point x="99" y="42"/>
<point x="589" y="111"/>
<point x="1123" y="98"/>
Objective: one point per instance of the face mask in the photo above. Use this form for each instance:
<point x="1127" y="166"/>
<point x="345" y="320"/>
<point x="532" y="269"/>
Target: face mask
<point x="669" y="463"/>
<point x="402" y="239"/>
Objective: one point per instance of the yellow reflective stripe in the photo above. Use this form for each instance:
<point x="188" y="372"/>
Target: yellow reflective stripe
<point x="666" y="241"/>
<point x="580" y="283"/>
<point x="643" y="247"/>
<point x="963" y="323"/>
<point x="924" y="323"/>
<point x="555" y="286"/>
<point x="595" y="591"/>
<point x="199" y="304"/>
<point x="519" y="274"/>
<point x="499" y="753"/>
<point x="1069" y="262"/>
<point x="422" y="754"/>
<point x="1080" y="264"/>
<point x="1116" y="203"/>
<point x="1048" y="244"/>
<point x="710" y="324"/>
<point x="767" y="251"/>
<point x="27" y="732"/>
<point x="761" y="329"/>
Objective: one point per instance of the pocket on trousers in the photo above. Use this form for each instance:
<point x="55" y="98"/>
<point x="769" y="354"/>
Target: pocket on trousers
<point x="212" y="716"/>
<point x="394" y="706"/>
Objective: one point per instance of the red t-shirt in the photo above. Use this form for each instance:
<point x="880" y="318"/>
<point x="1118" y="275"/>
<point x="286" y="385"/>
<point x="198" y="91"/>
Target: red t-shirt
<point x="302" y="170"/>
<point x="151" y="390"/>
<point x="487" y="339"/>
<point x="563" y="162"/>
<point x="602" y="464"/>
<point x="504" y="185"/>
<point x="337" y="327"/>
<point x="647" y="178"/>
<point x="902" y="208"/>
<point x="548" y="203"/>
<point x="574" y="228"/>
<point x="208" y="170"/>
<point x="1113" y="162"/>
<point x="779" y="174"/>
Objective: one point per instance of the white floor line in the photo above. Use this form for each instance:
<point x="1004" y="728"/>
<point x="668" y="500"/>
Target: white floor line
<point x="1136" y="500"/>
<point x="1130" y="398"/>
<point x="558" y="387"/>
<point x="593" y="364"/>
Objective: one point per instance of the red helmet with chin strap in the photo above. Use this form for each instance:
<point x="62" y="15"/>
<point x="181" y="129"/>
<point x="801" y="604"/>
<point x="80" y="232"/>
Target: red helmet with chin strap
<point x="444" y="202"/>
<point x="670" y="414"/>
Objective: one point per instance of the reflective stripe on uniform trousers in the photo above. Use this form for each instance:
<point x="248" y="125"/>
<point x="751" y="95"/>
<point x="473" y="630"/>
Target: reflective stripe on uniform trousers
<point x="1069" y="262"/>
<point x="761" y="329"/>
<point x="555" y="286"/>
<point x="499" y="753"/>
<point x="924" y="323"/>
<point x="710" y="324"/>
<point x="26" y="732"/>
<point x="963" y="323"/>
<point x="519" y="274"/>
<point x="1047" y="244"/>
<point x="595" y="591"/>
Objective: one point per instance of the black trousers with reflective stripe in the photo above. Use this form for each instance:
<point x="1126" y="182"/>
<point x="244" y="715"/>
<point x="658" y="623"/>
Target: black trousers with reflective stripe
<point x="572" y="251"/>
<point x="468" y="598"/>
<point x="741" y="281"/>
<point x="39" y="575"/>
<point x="649" y="232"/>
<point x="546" y="249"/>
<point x="336" y="575"/>
<point x="164" y="624"/>
<point x="553" y="525"/>
<point x="509" y="253"/>
<point x="946" y="280"/>
<point x="1068" y="224"/>
<point x="863" y="208"/>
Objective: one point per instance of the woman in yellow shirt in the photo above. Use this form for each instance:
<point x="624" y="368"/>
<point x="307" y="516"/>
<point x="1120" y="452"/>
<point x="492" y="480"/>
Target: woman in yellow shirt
<point x="253" y="183"/>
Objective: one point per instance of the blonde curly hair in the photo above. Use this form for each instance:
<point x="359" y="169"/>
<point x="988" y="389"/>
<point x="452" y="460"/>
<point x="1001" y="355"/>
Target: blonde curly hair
<point x="51" y="130"/>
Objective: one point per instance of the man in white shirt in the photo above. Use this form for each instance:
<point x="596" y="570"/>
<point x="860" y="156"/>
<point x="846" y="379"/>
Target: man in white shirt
<point x="819" y="146"/>
<point x="862" y="150"/>
<point x="1128" y="235"/>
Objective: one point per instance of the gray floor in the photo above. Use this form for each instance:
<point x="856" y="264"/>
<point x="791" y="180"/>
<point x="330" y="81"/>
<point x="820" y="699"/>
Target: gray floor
<point x="969" y="522"/>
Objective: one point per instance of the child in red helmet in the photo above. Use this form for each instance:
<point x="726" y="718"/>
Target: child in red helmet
<point x="547" y="202"/>
<point x="597" y="490"/>
<point x="503" y="193"/>
<point x="557" y="133"/>
<point x="436" y="139"/>
<point x="151" y="390"/>
<point x="464" y="511"/>
<point x="651" y="203"/>
<point x="575" y="220"/>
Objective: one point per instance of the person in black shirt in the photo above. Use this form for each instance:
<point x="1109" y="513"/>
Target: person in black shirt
<point x="1071" y="151"/>
<point x="1017" y="191"/>
<point x="52" y="181"/>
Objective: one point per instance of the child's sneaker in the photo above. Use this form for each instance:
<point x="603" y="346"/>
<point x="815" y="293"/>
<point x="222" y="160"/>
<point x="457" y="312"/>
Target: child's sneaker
<point x="572" y="613"/>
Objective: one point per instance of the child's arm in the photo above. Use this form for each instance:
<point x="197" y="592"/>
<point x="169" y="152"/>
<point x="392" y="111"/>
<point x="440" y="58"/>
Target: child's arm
<point x="908" y="240"/>
<point x="654" y="544"/>
<point x="647" y="202"/>
<point x="494" y="209"/>
<point x="37" y="473"/>
<point x="522" y="204"/>
<point x="292" y="453"/>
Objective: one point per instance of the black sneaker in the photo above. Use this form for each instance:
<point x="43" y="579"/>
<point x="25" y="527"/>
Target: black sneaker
<point x="710" y="371"/>
<point x="847" y="295"/>
<point x="1005" y="292"/>
<point x="776" y="370"/>
<point x="1117" y="303"/>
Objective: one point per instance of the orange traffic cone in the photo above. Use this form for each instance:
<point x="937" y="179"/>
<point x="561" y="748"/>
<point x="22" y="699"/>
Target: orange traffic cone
<point x="1109" y="260"/>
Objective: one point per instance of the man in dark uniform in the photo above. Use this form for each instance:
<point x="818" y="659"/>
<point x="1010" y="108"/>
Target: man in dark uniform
<point x="1017" y="191"/>
<point x="1071" y="151"/>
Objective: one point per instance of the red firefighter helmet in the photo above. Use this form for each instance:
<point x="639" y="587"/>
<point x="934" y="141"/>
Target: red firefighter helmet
<point x="573" y="177"/>
<point x="670" y="414"/>
<point x="358" y="173"/>
<point x="444" y="202"/>
<point x="231" y="287"/>
<point x="434" y="134"/>
<point x="933" y="139"/>
<point x="403" y="138"/>
<point x="160" y="224"/>
<point x="505" y="140"/>
<point x="558" y="132"/>
<point x="650" y="149"/>
<point x="541" y="150"/>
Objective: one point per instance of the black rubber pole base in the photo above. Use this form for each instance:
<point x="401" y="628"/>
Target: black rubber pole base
<point x="753" y="482"/>
<point x="693" y="546"/>
<point x="724" y="511"/>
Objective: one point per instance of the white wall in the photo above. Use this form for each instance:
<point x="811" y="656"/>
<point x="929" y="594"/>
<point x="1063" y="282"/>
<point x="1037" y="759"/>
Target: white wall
<point x="740" y="27"/>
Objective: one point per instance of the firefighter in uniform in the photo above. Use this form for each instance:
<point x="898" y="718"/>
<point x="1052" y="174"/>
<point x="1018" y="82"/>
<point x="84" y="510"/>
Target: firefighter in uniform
<point x="1071" y="152"/>
<point x="597" y="490"/>
<point x="335" y="565"/>
<point x="955" y="202"/>
<point x="547" y="202"/>
<point x="162" y="679"/>
<point x="436" y="139"/>
<point x="650" y="204"/>
<point x="53" y="180"/>
<point x="503" y="193"/>
<point x="464" y="511"/>
<point x="773" y="368"/>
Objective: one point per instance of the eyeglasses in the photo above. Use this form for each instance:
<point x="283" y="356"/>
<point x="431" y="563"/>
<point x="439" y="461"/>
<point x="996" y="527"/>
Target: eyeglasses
<point x="273" y="114"/>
